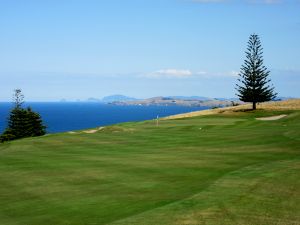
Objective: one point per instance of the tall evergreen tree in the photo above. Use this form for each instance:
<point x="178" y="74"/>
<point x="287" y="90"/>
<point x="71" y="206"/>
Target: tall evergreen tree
<point x="22" y="122"/>
<point x="254" y="76"/>
<point x="35" y="124"/>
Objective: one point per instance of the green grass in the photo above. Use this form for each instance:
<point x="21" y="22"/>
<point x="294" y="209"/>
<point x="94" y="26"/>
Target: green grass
<point x="217" y="169"/>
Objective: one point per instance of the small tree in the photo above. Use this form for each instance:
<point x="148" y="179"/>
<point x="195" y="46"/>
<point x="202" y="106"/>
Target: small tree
<point x="253" y="77"/>
<point x="22" y="122"/>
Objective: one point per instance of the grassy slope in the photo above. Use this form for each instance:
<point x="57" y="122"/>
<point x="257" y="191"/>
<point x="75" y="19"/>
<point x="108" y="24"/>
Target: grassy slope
<point x="234" y="170"/>
<point x="292" y="104"/>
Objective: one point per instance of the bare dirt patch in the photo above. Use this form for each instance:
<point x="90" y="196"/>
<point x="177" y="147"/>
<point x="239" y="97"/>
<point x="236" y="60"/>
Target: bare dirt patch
<point x="87" y="131"/>
<point x="90" y="131"/>
<point x="93" y="131"/>
<point x="270" y="118"/>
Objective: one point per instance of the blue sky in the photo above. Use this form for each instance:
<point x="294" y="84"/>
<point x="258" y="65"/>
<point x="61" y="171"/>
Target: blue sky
<point x="76" y="49"/>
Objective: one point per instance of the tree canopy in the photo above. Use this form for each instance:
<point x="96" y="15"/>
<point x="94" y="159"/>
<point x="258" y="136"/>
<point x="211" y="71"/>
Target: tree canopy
<point x="22" y="122"/>
<point x="254" y="76"/>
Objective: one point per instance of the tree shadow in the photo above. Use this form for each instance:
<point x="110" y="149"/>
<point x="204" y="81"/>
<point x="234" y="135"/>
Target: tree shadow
<point x="246" y="110"/>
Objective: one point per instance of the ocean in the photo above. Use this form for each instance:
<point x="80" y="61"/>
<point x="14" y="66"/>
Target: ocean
<point x="62" y="117"/>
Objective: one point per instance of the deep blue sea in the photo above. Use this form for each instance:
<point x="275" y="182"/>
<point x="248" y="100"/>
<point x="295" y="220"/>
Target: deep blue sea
<point x="61" y="117"/>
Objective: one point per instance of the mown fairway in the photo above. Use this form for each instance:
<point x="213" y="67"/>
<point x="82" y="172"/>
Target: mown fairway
<point x="215" y="169"/>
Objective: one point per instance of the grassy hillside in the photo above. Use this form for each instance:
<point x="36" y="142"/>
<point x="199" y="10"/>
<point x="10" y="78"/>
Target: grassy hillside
<point x="292" y="104"/>
<point x="225" y="168"/>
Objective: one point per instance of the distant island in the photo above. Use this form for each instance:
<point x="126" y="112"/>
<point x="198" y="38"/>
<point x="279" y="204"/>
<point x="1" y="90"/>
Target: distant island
<point x="111" y="98"/>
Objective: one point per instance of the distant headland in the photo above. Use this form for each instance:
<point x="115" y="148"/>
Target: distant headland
<point x="193" y="101"/>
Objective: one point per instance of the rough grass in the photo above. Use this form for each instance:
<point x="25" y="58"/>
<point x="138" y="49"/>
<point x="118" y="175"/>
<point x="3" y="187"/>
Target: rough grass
<point x="292" y="104"/>
<point x="226" y="168"/>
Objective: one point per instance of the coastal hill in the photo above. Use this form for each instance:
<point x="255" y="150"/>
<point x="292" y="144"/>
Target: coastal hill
<point x="194" y="101"/>
<point x="232" y="166"/>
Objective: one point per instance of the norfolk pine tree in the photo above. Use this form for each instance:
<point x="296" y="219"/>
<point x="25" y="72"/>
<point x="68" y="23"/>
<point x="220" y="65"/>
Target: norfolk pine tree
<point x="22" y="122"/>
<point x="254" y="76"/>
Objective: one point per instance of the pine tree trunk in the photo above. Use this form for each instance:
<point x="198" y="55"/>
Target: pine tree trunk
<point x="254" y="106"/>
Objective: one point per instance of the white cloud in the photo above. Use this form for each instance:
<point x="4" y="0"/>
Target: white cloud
<point x="231" y="74"/>
<point x="201" y="73"/>
<point x="234" y="73"/>
<point x="176" y="74"/>
<point x="169" y="73"/>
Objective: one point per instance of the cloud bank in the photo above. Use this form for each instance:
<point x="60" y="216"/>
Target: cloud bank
<point x="169" y="73"/>
<point x="180" y="74"/>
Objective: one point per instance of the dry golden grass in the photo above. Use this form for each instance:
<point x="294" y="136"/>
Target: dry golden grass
<point x="293" y="104"/>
